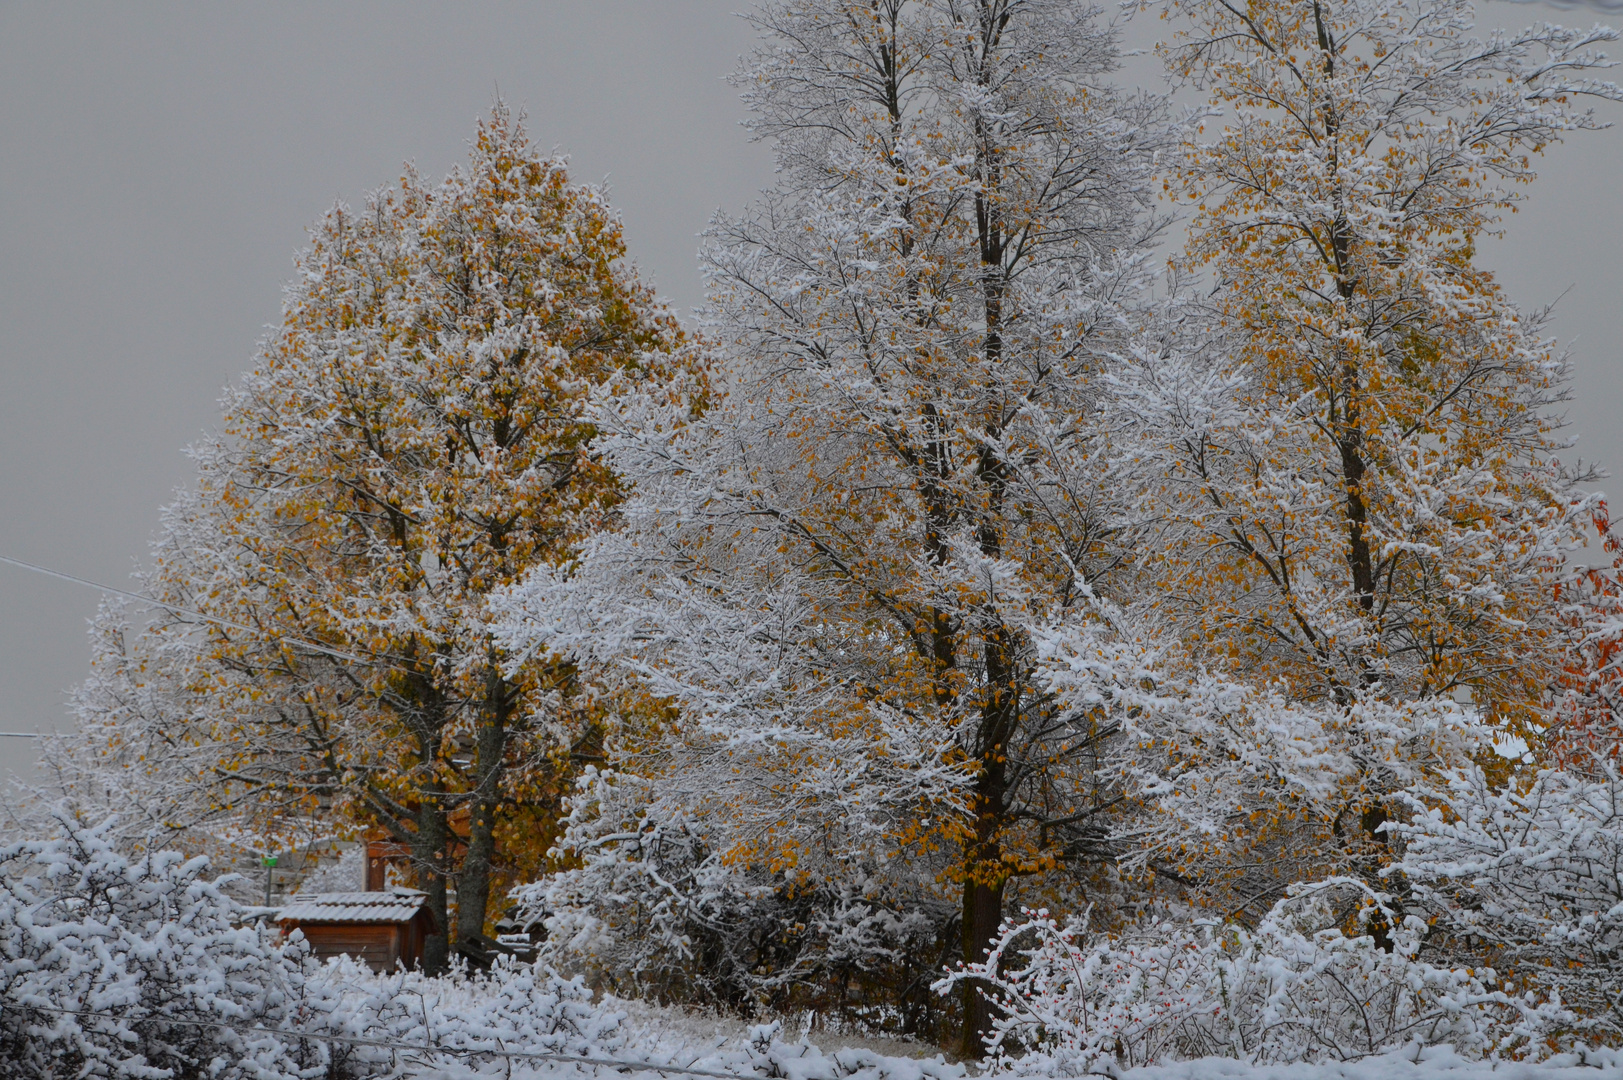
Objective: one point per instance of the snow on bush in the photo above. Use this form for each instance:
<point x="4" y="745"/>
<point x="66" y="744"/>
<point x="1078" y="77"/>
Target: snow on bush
<point x="151" y="943"/>
<point x="137" y="967"/>
<point x="655" y="910"/>
<point x="1531" y="876"/>
<point x="470" y="1021"/>
<point x="652" y="905"/>
<point x="113" y="966"/>
<point x="1297" y="988"/>
<point x="1501" y="937"/>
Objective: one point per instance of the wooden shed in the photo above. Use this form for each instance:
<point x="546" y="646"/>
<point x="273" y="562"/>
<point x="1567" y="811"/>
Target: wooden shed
<point x="379" y="929"/>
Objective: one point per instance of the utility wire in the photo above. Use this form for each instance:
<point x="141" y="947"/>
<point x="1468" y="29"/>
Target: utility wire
<point x="173" y="610"/>
<point x="529" y="1055"/>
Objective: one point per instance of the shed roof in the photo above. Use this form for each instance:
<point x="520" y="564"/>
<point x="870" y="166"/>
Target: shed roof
<point x="394" y="906"/>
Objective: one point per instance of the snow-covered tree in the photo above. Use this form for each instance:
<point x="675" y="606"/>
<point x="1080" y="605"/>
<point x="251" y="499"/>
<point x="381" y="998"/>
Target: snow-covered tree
<point x="138" y="749"/>
<point x="412" y="437"/>
<point x="831" y="574"/>
<point x="1584" y="723"/>
<point x="1357" y="567"/>
<point x="1355" y="502"/>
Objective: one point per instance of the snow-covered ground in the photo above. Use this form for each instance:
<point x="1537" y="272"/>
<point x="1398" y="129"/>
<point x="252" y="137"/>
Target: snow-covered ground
<point x="672" y="1035"/>
<point x="1432" y="1066"/>
<point x="702" y="1032"/>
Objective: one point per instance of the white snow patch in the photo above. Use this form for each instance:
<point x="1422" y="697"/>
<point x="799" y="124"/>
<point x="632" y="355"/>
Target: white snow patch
<point x="1434" y="1063"/>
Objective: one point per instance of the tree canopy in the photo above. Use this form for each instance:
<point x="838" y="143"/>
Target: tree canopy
<point x="973" y="558"/>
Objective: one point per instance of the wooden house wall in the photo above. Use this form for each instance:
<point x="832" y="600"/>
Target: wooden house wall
<point x="377" y="945"/>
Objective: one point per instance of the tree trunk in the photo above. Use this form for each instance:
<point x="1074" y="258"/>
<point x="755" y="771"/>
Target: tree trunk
<point x="473" y="885"/>
<point x="428" y="861"/>
<point x="983" y="887"/>
<point x="430" y="841"/>
<point x="983" y="911"/>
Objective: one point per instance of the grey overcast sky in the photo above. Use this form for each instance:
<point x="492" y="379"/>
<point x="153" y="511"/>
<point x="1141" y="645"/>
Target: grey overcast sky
<point x="159" y="163"/>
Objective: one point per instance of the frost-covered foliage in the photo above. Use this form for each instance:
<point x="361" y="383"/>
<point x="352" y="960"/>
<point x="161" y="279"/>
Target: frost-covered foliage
<point x="1356" y="515"/>
<point x="959" y="565"/>
<point x="1304" y="985"/>
<point x="151" y="941"/>
<point x="412" y="435"/>
<point x="139" y="752"/>
<point x="471" y="1021"/>
<point x="1529" y="876"/>
<point x="654" y="910"/>
<point x="1238" y="784"/>
<point x="185" y="989"/>
<point x="153" y="944"/>
<point x="981" y="569"/>
<point x="142" y="969"/>
<point x="1502" y="936"/>
<point x="467" y="1019"/>
<point x="1354" y="500"/>
<point x="829" y="573"/>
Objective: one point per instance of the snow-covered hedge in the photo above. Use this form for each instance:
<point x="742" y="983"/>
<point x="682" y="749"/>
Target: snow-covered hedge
<point x="112" y="966"/>
<point x="1531" y="874"/>
<point x="471" y="1020"/>
<point x="1296" y="988"/>
<point x="139" y="968"/>
<point x="1501" y="937"/>
<point x="151" y="944"/>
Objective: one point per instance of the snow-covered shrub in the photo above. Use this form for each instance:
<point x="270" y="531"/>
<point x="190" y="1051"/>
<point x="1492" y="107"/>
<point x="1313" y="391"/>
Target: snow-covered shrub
<point x="650" y="908"/>
<point x="468" y="1019"/>
<point x="150" y="943"/>
<point x="653" y="910"/>
<point x="138" y="967"/>
<point x="1530" y="878"/>
<point x="473" y="1020"/>
<point x="1298" y="987"/>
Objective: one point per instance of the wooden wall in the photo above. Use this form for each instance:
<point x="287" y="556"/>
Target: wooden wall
<point x="377" y="945"/>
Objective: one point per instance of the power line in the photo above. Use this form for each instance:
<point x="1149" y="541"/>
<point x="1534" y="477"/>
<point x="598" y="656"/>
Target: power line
<point x="173" y="610"/>
<point x="353" y="1040"/>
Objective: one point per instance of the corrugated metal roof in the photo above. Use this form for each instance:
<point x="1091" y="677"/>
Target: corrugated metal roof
<point x="395" y="906"/>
